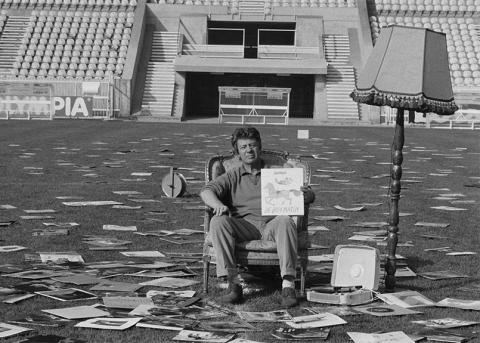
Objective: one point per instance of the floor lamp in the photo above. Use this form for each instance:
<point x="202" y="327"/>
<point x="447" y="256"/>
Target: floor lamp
<point x="407" y="70"/>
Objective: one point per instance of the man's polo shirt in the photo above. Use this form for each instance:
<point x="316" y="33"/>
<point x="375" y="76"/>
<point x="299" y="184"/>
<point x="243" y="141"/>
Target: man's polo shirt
<point x="240" y="190"/>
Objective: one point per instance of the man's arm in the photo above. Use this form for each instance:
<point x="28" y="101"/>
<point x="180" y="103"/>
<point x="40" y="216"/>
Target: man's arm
<point x="211" y="200"/>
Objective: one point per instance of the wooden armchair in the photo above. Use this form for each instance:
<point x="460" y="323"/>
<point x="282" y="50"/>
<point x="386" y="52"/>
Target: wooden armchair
<point x="257" y="252"/>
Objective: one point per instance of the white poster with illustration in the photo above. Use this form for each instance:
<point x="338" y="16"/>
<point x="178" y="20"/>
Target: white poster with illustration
<point x="281" y="194"/>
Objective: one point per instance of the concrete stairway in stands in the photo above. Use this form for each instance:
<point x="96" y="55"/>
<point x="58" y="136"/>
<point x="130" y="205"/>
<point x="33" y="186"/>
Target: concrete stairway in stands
<point x="340" y="79"/>
<point x="160" y="77"/>
<point x="10" y="38"/>
<point x="251" y="7"/>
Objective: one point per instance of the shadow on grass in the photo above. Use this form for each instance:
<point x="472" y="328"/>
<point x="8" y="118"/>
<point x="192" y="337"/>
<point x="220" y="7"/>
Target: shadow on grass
<point x="416" y="262"/>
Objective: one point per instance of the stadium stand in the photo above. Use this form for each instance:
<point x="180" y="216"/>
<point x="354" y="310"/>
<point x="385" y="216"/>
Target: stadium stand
<point x="463" y="42"/>
<point x="80" y="44"/>
<point x="166" y="59"/>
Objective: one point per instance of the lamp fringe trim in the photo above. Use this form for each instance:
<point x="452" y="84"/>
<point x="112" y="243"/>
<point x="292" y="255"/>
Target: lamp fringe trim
<point x="418" y="103"/>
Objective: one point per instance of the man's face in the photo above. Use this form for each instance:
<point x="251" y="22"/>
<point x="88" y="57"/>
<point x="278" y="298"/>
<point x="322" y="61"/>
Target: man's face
<point x="248" y="150"/>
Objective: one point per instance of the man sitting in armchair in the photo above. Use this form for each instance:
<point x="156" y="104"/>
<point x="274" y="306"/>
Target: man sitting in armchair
<point x="235" y="199"/>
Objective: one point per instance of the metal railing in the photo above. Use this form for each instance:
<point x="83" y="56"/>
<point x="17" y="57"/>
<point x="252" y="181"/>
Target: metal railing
<point x="287" y="51"/>
<point x="213" y="50"/>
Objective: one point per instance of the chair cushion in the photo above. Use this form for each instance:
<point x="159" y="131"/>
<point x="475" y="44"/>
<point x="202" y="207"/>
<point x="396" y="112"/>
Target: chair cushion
<point x="264" y="245"/>
<point x="257" y="245"/>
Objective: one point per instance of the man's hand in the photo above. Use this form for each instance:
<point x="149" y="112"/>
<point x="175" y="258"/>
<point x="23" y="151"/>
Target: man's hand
<point x="219" y="210"/>
<point x="211" y="200"/>
<point x="308" y="195"/>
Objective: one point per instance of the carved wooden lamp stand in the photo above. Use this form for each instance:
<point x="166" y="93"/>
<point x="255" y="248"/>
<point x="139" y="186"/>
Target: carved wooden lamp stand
<point x="407" y="70"/>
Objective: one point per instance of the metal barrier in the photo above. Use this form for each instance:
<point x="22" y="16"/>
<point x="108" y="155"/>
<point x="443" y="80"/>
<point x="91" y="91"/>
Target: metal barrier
<point x="85" y="99"/>
<point x="253" y="105"/>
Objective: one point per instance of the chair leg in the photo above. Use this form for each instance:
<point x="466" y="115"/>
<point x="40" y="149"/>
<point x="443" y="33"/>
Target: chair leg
<point x="206" y="271"/>
<point x="303" y="272"/>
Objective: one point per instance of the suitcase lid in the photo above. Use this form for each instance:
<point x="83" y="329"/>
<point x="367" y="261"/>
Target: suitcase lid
<point x="356" y="266"/>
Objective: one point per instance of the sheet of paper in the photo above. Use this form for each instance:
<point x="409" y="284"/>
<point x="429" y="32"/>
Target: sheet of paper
<point x="108" y="323"/>
<point x="388" y="337"/>
<point x="78" y="312"/>
<point x="319" y="320"/>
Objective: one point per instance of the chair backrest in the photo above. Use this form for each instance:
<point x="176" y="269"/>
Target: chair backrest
<point x="217" y="165"/>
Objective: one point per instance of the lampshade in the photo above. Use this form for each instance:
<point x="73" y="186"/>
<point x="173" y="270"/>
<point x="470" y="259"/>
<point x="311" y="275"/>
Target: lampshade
<point x="408" y="68"/>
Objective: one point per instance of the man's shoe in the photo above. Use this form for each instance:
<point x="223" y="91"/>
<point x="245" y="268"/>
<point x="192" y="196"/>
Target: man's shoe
<point x="289" y="297"/>
<point x="234" y="295"/>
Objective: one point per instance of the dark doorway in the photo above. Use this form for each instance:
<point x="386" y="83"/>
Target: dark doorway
<point x="267" y="33"/>
<point x="202" y="91"/>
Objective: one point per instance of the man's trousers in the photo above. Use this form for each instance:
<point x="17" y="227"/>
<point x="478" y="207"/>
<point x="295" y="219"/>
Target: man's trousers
<point x="225" y="231"/>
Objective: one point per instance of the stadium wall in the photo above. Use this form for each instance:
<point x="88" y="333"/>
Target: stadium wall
<point x="192" y="23"/>
<point x="124" y="88"/>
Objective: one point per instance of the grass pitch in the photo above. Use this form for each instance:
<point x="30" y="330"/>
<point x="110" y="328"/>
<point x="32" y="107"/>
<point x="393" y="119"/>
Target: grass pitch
<point x="41" y="161"/>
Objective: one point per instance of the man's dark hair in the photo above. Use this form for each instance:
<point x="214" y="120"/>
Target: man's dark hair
<point x="245" y="133"/>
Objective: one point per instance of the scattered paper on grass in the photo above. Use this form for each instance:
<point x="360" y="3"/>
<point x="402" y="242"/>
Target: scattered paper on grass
<point x="445" y="323"/>
<point x="399" y="244"/>
<point x="371" y="204"/>
<point x="369" y="224"/>
<point x="271" y="316"/>
<point x="91" y="203"/>
<point x="11" y="248"/>
<point x="55" y="257"/>
<point x="329" y="218"/>
<point x="7" y="207"/>
<point x="384" y="310"/>
<point x="448" y="208"/>
<point x="179" y="294"/>
<point x="113" y="286"/>
<point x="69" y="294"/>
<point x="36" y="274"/>
<point x="125" y="207"/>
<point x="406" y="299"/>
<point x="141" y="174"/>
<point x="170" y="282"/>
<point x="78" y="279"/>
<point x="365" y="238"/>
<point x="317" y="228"/>
<point x="464" y="304"/>
<point x="108" y="323"/>
<point x="7" y="330"/>
<point x="127" y="192"/>
<point x="62" y="225"/>
<point x="78" y="312"/>
<point x="144" y="253"/>
<point x="203" y="336"/>
<point x="230" y="326"/>
<point x="350" y="209"/>
<point x="372" y="233"/>
<point x="390" y="337"/>
<point x="126" y="302"/>
<point x="166" y="323"/>
<point x="112" y="227"/>
<point x="19" y="298"/>
<point x="34" y="217"/>
<point x="319" y="320"/>
<point x="47" y="210"/>
<point x="430" y="224"/>
<point x="461" y="253"/>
